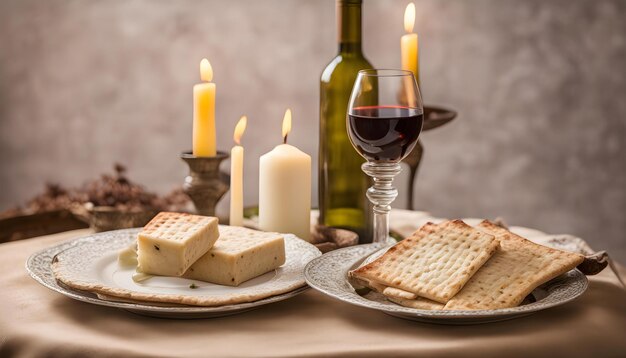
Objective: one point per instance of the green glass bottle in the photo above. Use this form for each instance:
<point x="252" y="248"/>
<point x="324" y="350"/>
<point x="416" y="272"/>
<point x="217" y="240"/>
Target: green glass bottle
<point x="342" y="183"/>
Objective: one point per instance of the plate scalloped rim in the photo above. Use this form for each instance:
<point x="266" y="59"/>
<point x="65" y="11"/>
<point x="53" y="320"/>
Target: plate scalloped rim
<point x="39" y="267"/>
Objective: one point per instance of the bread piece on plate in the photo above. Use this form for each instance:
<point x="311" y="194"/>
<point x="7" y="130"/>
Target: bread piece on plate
<point x="401" y="297"/>
<point x="517" y="268"/>
<point x="408" y="299"/>
<point x="398" y="293"/>
<point x="238" y="256"/>
<point x="385" y="290"/>
<point x="171" y="242"/>
<point x="417" y="303"/>
<point x="434" y="263"/>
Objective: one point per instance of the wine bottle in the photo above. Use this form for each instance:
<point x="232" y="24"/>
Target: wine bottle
<point x="342" y="183"/>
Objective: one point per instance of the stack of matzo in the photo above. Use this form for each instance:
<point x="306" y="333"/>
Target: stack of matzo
<point x="454" y="266"/>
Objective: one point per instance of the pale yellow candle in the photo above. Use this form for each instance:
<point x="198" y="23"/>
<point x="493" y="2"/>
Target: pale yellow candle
<point x="285" y="188"/>
<point x="204" y="113"/>
<point x="236" y="175"/>
<point x="409" y="46"/>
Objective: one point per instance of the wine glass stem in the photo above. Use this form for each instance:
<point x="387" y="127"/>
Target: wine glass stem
<point x="381" y="195"/>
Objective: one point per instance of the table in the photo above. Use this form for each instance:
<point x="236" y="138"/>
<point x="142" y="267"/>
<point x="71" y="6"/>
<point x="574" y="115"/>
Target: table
<point x="36" y="322"/>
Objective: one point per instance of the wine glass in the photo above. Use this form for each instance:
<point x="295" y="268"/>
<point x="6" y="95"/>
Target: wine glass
<point x="384" y="127"/>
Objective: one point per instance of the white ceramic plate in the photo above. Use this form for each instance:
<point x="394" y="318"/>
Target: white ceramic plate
<point x="94" y="259"/>
<point x="329" y="275"/>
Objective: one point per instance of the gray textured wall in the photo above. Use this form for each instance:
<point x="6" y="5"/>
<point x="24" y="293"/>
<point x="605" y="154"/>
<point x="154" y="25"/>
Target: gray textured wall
<point x="539" y="86"/>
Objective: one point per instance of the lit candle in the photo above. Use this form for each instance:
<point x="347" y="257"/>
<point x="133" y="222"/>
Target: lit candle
<point x="236" y="175"/>
<point x="285" y="188"/>
<point x="409" y="45"/>
<point x="204" y="113"/>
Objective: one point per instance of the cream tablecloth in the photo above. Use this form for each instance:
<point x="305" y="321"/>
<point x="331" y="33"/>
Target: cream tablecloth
<point x="36" y="322"/>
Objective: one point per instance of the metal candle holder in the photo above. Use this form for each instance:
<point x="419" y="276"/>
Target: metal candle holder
<point x="433" y="117"/>
<point x="205" y="185"/>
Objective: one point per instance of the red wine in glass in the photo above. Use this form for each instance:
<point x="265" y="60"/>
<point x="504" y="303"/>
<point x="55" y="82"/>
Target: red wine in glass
<point x="384" y="133"/>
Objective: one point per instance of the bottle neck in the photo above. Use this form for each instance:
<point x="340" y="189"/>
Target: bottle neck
<point x="349" y="26"/>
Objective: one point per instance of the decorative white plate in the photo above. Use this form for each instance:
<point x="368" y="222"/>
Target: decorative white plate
<point x="329" y="275"/>
<point x="94" y="259"/>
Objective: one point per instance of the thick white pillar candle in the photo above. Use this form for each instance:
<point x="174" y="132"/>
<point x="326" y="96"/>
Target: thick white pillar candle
<point x="236" y="176"/>
<point x="285" y="190"/>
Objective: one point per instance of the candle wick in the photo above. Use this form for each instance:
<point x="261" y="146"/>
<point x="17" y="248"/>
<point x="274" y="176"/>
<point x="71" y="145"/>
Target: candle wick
<point x="285" y="138"/>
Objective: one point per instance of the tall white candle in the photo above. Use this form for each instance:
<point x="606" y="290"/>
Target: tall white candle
<point x="409" y="47"/>
<point x="204" y="113"/>
<point x="285" y="188"/>
<point x="236" y="175"/>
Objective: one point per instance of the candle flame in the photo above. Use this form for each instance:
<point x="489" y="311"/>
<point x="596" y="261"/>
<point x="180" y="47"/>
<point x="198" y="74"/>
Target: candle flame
<point x="286" y="124"/>
<point x="206" y="71"/>
<point x="239" y="129"/>
<point x="409" y="18"/>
